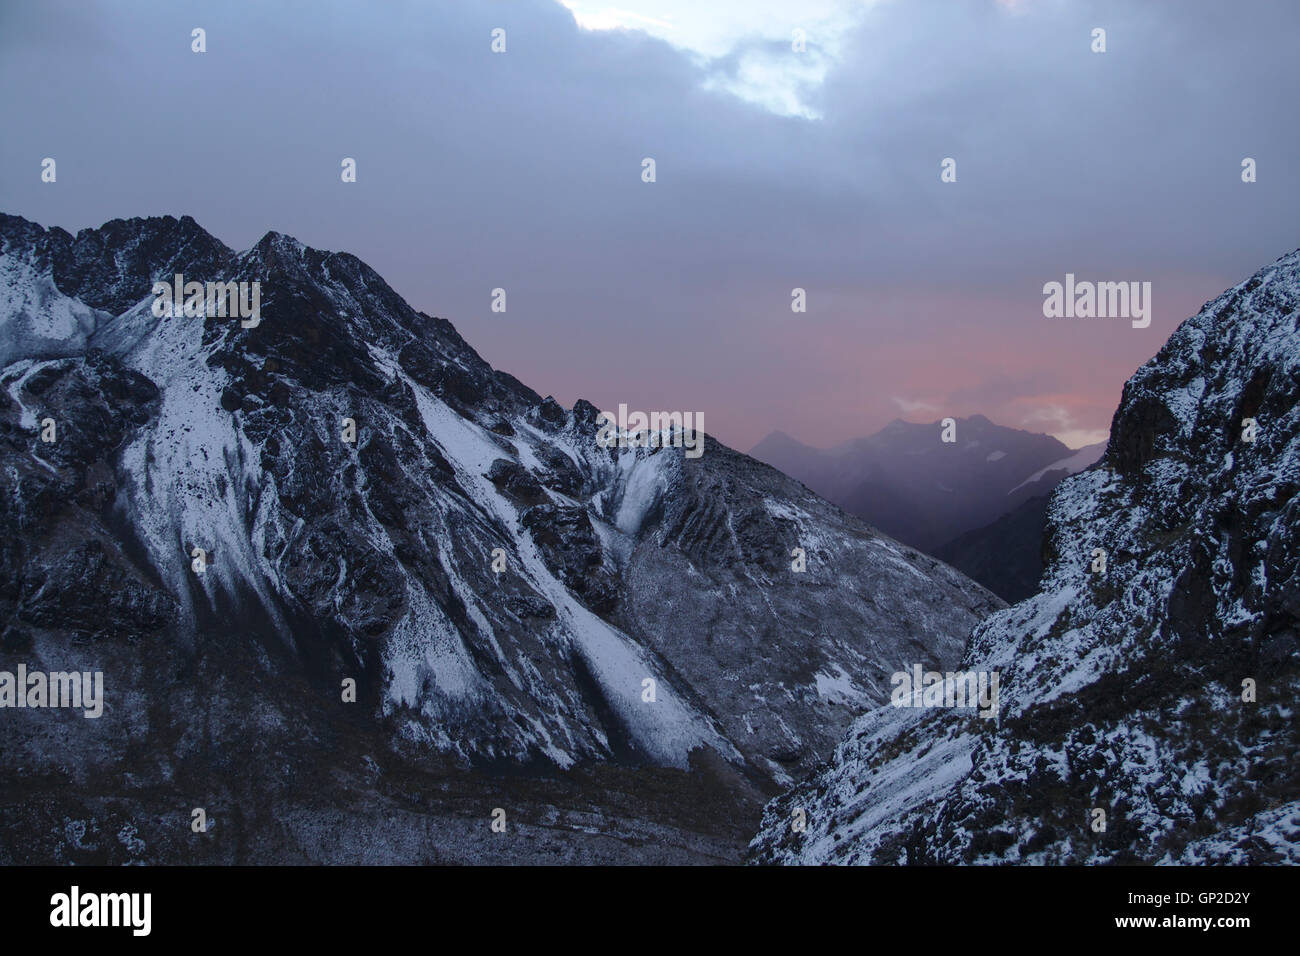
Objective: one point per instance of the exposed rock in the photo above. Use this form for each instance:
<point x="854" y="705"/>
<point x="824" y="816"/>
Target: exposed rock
<point x="1160" y="690"/>
<point x="377" y="504"/>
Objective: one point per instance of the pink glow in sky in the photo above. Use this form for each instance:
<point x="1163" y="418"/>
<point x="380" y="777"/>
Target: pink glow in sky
<point x="523" y="171"/>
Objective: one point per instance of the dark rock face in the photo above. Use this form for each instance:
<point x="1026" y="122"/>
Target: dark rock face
<point x="61" y="565"/>
<point x="373" y="504"/>
<point x="1005" y="556"/>
<point x="1159" y="690"/>
<point x="107" y="268"/>
<point x="571" y="550"/>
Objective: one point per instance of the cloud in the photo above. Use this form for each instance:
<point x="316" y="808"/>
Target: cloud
<point x="1000" y="389"/>
<point x="1052" y="415"/>
<point x="915" y="406"/>
<point x="596" y="16"/>
<point x="1060" y="422"/>
<point x="745" y="48"/>
<point x="522" y="170"/>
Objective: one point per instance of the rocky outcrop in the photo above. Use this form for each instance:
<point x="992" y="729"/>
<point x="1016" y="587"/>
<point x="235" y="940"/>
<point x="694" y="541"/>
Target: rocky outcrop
<point x="1147" y="703"/>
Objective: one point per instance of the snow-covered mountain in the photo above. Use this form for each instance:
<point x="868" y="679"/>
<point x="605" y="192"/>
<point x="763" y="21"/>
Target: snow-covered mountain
<point x="499" y="587"/>
<point x="1147" y="707"/>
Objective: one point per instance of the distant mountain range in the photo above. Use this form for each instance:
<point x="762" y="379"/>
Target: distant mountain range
<point x="929" y="493"/>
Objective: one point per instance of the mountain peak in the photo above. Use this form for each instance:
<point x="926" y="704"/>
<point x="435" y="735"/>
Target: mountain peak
<point x="278" y="241"/>
<point x="372" y="502"/>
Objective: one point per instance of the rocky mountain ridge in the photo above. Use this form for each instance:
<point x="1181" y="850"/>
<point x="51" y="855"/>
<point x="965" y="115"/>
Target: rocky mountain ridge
<point x="1147" y="710"/>
<point x="372" y="502"/>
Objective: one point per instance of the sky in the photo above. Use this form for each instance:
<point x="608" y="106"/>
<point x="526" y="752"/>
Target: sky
<point x="775" y="169"/>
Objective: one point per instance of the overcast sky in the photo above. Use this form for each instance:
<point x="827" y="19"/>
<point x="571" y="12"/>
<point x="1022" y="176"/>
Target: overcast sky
<point x="775" y="170"/>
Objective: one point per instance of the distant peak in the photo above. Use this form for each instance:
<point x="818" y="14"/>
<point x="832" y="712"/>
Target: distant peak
<point x="278" y="245"/>
<point x="274" y="239"/>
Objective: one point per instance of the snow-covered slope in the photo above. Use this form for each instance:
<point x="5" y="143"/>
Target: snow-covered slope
<point x="373" y="559"/>
<point x="1147" y="709"/>
<point x="1072" y="464"/>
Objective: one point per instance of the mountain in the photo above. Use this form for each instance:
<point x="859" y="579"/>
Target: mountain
<point x="351" y="589"/>
<point x="921" y="490"/>
<point x="1146" y="708"/>
<point x="1045" y="479"/>
<point x="1005" y="556"/>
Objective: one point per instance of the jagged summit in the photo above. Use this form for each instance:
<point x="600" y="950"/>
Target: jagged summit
<point x="1158" y="689"/>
